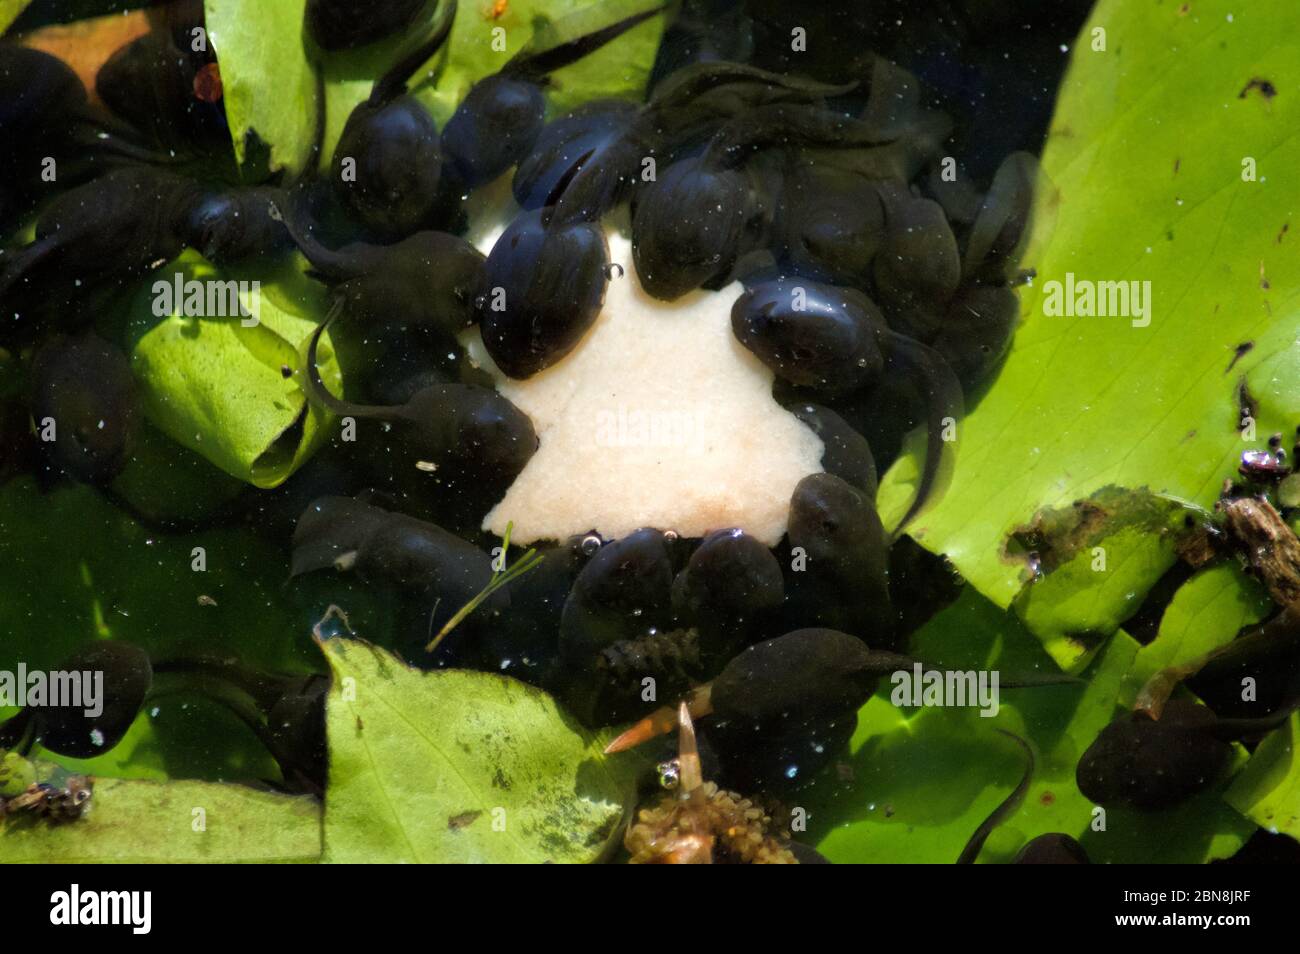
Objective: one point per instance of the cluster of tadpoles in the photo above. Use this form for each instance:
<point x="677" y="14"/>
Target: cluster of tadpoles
<point x="865" y="264"/>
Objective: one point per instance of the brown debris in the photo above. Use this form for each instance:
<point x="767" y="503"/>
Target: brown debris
<point x="1269" y="545"/>
<point x="710" y="825"/>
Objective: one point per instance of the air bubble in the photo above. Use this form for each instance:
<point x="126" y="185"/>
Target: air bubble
<point x="590" y="544"/>
<point x="613" y="270"/>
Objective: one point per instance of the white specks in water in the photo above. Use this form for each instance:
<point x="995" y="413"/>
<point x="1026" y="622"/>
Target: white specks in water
<point x="96" y="738"/>
<point x="792" y="771"/>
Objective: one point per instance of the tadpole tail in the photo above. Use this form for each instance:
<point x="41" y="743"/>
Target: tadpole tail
<point x="537" y="65"/>
<point x="781" y="123"/>
<point x="17" y="264"/>
<point x="314" y="388"/>
<point x="684" y="85"/>
<point x="1232" y="729"/>
<point x="1003" y="811"/>
<point x="393" y="82"/>
<point x="944" y="407"/>
<point x="329" y="263"/>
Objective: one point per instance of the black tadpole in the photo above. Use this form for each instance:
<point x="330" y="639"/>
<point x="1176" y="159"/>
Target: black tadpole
<point x="457" y="425"/>
<point x="502" y="115"/>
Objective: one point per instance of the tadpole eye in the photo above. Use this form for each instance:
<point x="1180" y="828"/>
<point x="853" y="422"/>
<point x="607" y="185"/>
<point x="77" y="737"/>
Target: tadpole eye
<point x="688" y="227"/>
<point x="494" y="127"/>
<point x="236" y="225"/>
<point x="810" y="334"/>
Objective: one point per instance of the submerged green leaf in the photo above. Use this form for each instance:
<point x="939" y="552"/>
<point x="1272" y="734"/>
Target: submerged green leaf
<point x="1167" y="165"/>
<point x="218" y="385"/>
<point x="1205" y="614"/>
<point x="145" y="822"/>
<point x="923" y="780"/>
<point x="1268" y="789"/>
<point x="457" y="766"/>
<point x="269" y="85"/>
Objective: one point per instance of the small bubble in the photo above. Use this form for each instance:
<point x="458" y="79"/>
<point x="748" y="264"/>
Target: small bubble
<point x="613" y="270"/>
<point x="590" y="544"/>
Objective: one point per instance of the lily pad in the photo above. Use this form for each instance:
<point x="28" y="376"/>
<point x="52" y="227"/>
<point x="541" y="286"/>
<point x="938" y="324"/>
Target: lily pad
<point x="269" y="85"/>
<point x="218" y="385"/>
<point x="143" y="822"/>
<point x="1168" y="163"/>
<point x="924" y="779"/>
<point x="457" y="766"/>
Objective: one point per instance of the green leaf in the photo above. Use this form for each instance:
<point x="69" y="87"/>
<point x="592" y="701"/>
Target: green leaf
<point x="143" y="822"/>
<point x="269" y="85"/>
<point x="1135" y="194"/>
<point x="457" y="766"/>
<point x="125" y="581"/>
<point x="923" y="780"/>
<point x="1205" y="613"/>
<point x="11" y="10"/>
<point x="217" y="385"/>
<point x="620" y="69"/>
<point x="1268" y="789"/>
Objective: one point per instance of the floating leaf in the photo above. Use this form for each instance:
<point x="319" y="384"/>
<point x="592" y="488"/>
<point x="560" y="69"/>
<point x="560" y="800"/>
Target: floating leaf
<point x="218" y="386"/>
<point x="1268" y="789"/>
<point x="457" y="766"/>
<point x="1205" y="613"/>
<point x="269" y="85"/>
<point x="1150" y="182"/>
<point x="923" y="780"/>
<point x="145" y="822"/>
